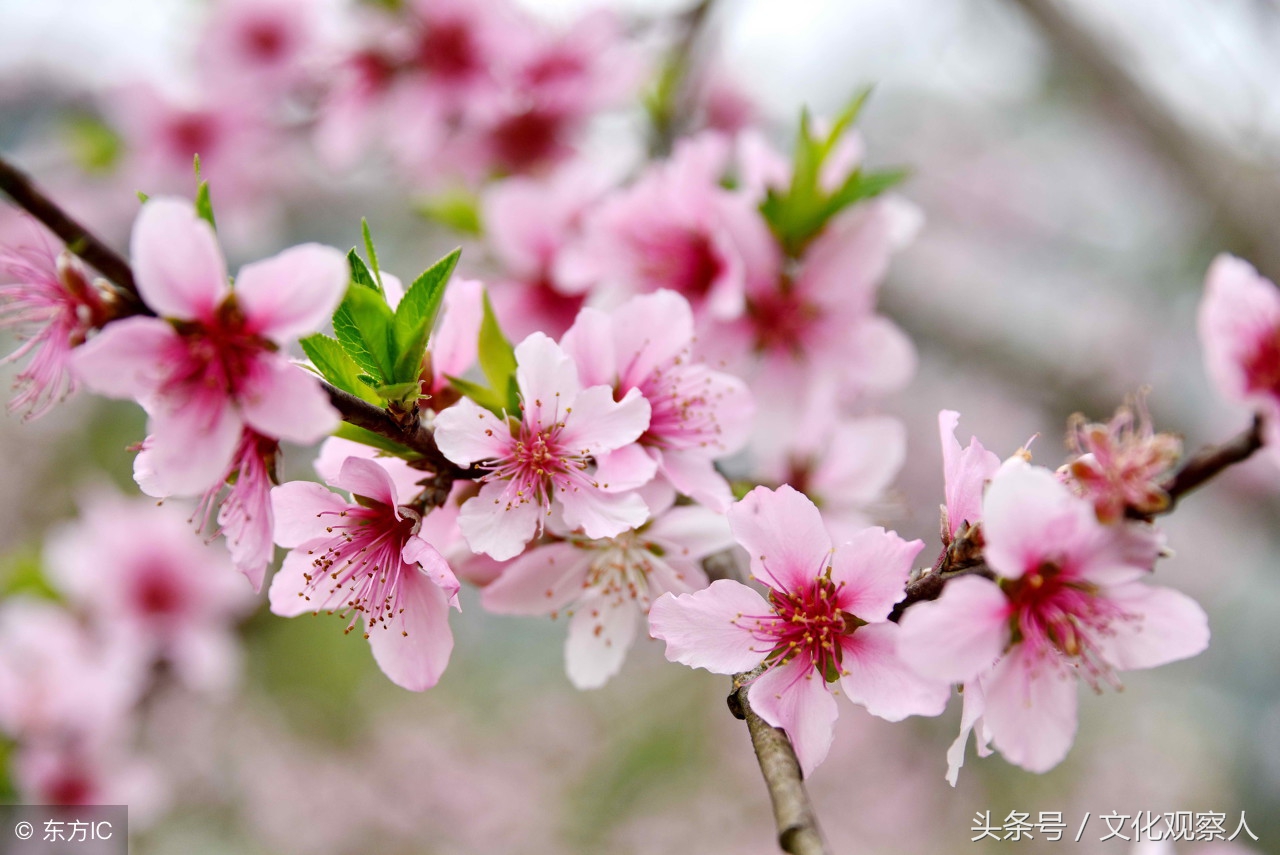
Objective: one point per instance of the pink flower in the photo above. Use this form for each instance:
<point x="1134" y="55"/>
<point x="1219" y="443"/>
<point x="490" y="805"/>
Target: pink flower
<point x="1068" y="602"/>
<point x="545" y="458"/>
<point x="77" y="774"/>
<point x="697" y="414"/>
<point x="141" y="573"/>
<point x="677" y="228"/>
<point x="608" y="585"/>
<point x="58" y="681"/>
<point x="817" y="340"/>
<point x="966" y="473"/>
<point x="47" y="299"/>
<point x="213" y="367"/>
<point x="1122" y="464"/>
<point x="258" y="48"/>
<point x="368" y="559"/>
<point x="1240" y="335"/>
<point x="825" y="621"/>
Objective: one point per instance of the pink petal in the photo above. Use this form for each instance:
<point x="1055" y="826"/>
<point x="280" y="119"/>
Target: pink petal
<point x="601" y="514"/>
<point x="877" y="679"/>
<point x="695" y="475"/>
<point x="498" y="524"/>
<point x="361" y="477"/>
<point x="690" y="532"/>
<point x="1239" y="312"/>
<point x="302" y="511"/>
<point x="873" y="567"/>
<point x="1031" y="710"/>
<point x="626" y="468"/>
<point x="127" y="359"/>
<point x="548" y="381"/>
<point x="454" y="344"/>
<point x="418" y="551"/>
<point x="650" y="331"/>
<point x="1165" y="626"/>
<point x="794" y="698"/>
<point x="292" y="294"/>
<point x="335" y="450"/>
<point x="601" y="632"/>
<point x="861" y="460"/>
<point x="467" y="432"/>
<point x="711" y="628"/>
<point x="966" y="473"/>
<point x="541" y="581"/>
<point x="288" y="594"/>
<point x="177" y="262"/>
<point x="880" y="357"/>
<point x="192" y="446"/>
<point x="1029" y="516"/>
<point x="590" y="344"/>
<point x="971" y="711"/>
<point x="413" y="648"/>
<point x="1121" y="553"/>
<point x="960" y="634"/>
<point x="784" y="535"/>
<point x="598" y="423"/>
<point x="287" y="402"/>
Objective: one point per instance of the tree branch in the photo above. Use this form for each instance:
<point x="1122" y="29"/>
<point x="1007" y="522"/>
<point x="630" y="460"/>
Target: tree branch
<point x="1211" y="461"/>
<point x="798" y="831"/>
<point x="416" y="437"/>
<point x="78" y="239"/>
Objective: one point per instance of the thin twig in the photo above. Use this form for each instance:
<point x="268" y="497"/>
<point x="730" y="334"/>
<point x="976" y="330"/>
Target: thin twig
<point x="683" y="83"/>
<point x="1211" y="461"/>
<point x="418" y="438"/>
<point x="78" y="239"/>
<point x="798" y="830"/>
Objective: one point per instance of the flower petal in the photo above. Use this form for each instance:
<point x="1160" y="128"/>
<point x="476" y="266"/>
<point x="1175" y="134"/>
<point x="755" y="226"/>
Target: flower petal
<point x="287" y="402"/>
<point x="598" y="423"/>
<point x="541" y="581"/>
<point x="601" y="632"/>
<point x="960" y="634"/>
<point x="627" y="468"/>
<point x="794" y="698"/>
<point x="601" y="514"/>
<point x="784" y="534"/>
<point x="292" y="294"/>
<point x="970" y="712"/>
<point x="711" y="628"/>
<point x="176" y="260"/>
<point x="127" y="359"/>
<point x="467" y="432"/>
<point x="417" y="550"/>
<point x="413" y="648"/>
<point x="965" y="473"/>
<point x="548" y="381"/>
<point x="1031" y="710"/>
<point x="192" y="445"/>
<point x="301" y="509"/>
<point x="877" y="679"/>
<point x="1164" y="626"/>
<point x="497" y="524"/>
<point x="362" y="477"/>
<point x="871" y="572"/>
<point x="1029" y="517"/>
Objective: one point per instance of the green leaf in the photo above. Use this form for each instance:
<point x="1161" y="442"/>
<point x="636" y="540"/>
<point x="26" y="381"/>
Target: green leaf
<point x="346" y="430"/>
<point x="334" y="365"/>
<point x="497" y="357"/>
<point x="94" y="144"/>
<point x="142" y="197"/>
<point x="360" y="273"/>
<point x="363" y="326"/>
<point x="416" y="315"/>
<point x="457" y="209"/>
<point x="204" y="205"/>
<point x="406" y="393"/>
<point x="485" y="397"/>
<point x="370" y="251"/>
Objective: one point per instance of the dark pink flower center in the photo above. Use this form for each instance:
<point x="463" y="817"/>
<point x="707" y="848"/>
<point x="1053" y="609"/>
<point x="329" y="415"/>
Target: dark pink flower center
<point x="265" y="40"/>
<point x="70" y="789"/>
<point x="538" y="463"/>
<point x="156" y="594"/>
<point x="358" y="571"/>
<point x="681" y="259"/>
<point x="525" y="139"/>
<point x="190" y="134"/>
<point x="683" y="411"/>
<point x="808" y="625"/>
<point x="1055" y="613"/>
<point x="782" y="321"/>
<point x="221" y="356"/>
<point x="1262" y="367"/>
<point x="448" y="49"/>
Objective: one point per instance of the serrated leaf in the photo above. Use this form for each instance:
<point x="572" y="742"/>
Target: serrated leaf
<point x="363" y="326"/>
<point x="370" y="251"/>
<point x="416" y="315"/>
<point x="336" y="366"/>
<point x="405" y="392"/>
<point x="360" y="273"/>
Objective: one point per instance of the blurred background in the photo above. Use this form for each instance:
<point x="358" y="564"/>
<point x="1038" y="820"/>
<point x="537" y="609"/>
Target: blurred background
<point x="1078" y="165"/>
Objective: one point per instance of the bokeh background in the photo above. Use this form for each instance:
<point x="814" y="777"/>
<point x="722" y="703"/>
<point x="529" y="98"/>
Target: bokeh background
<point x="1078" y="163"/>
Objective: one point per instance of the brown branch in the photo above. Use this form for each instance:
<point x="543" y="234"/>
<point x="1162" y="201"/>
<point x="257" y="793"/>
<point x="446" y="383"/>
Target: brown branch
<point x="415" y="437"/>
<point x="798" y="830"/>
<point x="1211" y="461"/>
<point x="15" y="183"/>
<point x="1244" y="195"/>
